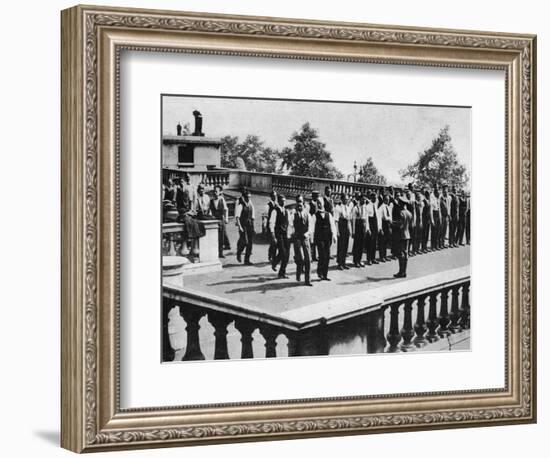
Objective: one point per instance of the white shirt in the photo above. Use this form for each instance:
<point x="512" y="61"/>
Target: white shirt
<point x="202" y="203"/>
<point x="342" y="211"/>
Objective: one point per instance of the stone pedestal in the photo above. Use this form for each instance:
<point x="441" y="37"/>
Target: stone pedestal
<point x="208" y="245"/>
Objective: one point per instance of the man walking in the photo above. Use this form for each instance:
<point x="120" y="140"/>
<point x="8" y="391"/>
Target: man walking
<point x="403" y="227"/>
<point x="324" y="235"/>
<point x="272" y="250"/>
<point x="342" y="219"/>
<point x="244" y="216"/>
<point x="302" y="225"/>
<point x="279" y="225"/>
<point x="453" y="219"/>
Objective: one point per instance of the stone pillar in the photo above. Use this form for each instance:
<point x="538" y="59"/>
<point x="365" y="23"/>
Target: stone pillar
<point x="246" y="328"/>
<point x="455" y="312"/>
<point x="270" y="335"/>
<point x="192" y="318"/>
<point x="220" y="322"/>
<point x="433" y="322"/>
<point x="444" y="319"/>
<point x="393" y="335"/>
<point x="420" y="327"/>
<point x="407" y="332"/>
<point x="208" y="245"/>
<point x="465" y="308"/>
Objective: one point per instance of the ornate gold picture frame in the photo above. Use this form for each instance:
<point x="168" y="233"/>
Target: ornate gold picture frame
<point x="92" y="40"/>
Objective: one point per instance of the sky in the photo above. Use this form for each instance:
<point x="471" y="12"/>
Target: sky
<point x="392" y="135"/>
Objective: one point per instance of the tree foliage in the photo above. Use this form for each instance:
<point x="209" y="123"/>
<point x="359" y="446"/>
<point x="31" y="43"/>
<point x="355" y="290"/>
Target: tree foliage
<point x="252" y="153"/>
<point x="437" y="165"/>
<point x="308" y="156"/>
<point x="368" y="173"/>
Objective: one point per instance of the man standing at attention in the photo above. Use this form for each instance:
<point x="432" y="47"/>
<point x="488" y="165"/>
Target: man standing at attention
<point x="342" y="219"/>
<point x="302" y="224"/>
<point x="445" y="209"/>
<point x="384" y="237"/>
<point x="435" y="219"/>
<point x="324" y="236"/>
<point x="328" y="201"/>
<point x="272" y="251"/>
<point x="453" y="219"/>
<point x="312" y="211"/>
<point x="372" y="235"/>
<point x="244" y="216"/>
<point x="359" y="230"/>
<point x="219" y="210"/>
<point x="279" y="225"/>
<point x="404" y="236"/>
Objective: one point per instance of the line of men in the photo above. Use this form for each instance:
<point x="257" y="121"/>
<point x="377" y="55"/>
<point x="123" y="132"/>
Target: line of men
<point x="378" y="222"/>
<point x="404" y="223"/>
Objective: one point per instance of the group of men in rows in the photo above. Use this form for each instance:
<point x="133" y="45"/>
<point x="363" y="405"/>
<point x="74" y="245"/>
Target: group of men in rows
<point x="394" y="223"/>
<point x="404" y="223"/>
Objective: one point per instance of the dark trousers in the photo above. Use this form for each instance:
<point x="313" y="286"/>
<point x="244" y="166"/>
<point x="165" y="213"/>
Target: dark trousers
<point x="425" y="234"/>
<point x="221" y="237"/>
<point x="245" y="240"/>
<point x="417" y="238"/>
<point x="384" y="239"/>
<point x="443" y="230"/>
<point x="460" y="229"/>
<point x="435" y="228"/>
<point x="283" y="253"/>
<point x="313" y="251"/>
<point x="403" y="255"/>
<point x="272" y="250"/>
<point x="323" y="250"/>
<point x="358" y="241"/>
<point x="453" y="230"/>
<point x="371" y="240"/>
<point x="468" y="229"/>
<point x="302" y="258"/>
<point x="343" y="242"/>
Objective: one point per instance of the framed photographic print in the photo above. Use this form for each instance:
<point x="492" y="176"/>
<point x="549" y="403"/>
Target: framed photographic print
<point x="278" y="228"/>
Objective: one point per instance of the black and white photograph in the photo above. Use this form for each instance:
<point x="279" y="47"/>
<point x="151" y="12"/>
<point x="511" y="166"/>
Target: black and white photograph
<point x="313" y="228"/>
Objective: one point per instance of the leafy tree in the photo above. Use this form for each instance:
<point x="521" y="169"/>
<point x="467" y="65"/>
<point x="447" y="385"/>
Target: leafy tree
<point x="308" y="156"/>
<point x="437" y="165"/>
<point x="251" y="152"/>
<point x="368" y="173"/>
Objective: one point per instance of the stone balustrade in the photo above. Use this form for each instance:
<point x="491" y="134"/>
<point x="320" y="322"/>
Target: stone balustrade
<point x="399" y="318"/>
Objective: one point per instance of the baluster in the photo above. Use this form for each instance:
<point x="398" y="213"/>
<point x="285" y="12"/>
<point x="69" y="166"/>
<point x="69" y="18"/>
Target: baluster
<point x="270" y="335"/>
<point x="171" y="246"/>
<point x="420" y="327"/>
<point x="168" y="352"/>
<point x="220" y="322"/>
<point x="394" y="337"/>
<point x="407" y="332"/>
<point x="192" y="318"/>
<point x="444" y="319"/>
<point x="433" y="322"/>
<point x="455" y="312"/>
<point x="465" y="308"/>
<point x="376" y="341"/>
<point x="246" y="328"/>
